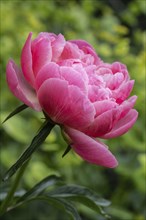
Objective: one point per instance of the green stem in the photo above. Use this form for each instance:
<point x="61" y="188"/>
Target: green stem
<point x="10" y="194"/>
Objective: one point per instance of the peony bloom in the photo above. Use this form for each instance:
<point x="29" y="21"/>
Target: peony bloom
<point x="77" y="90"/>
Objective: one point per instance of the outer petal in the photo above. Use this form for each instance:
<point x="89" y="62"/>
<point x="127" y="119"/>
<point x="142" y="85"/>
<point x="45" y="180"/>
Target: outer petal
<point x="90" y="149"/>
<point x="26" y="61"/>
<point x="50" y="70"/>
<point x="65" y="104"/>
<point x="123" y="125"/>
<point x="41" y="54"/>
<point x="19" y="86"/>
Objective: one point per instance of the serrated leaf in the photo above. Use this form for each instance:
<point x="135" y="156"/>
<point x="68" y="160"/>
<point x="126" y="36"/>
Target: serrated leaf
<point x="16" y="111"/>
<point x="40" y="187"/>
<point x="35" y="144"/>
<point x="79" y="191"/>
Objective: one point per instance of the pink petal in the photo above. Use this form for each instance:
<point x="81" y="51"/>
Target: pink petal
<point x="70" y="51"/>
<point x="113" y="81"/>
<point x="126" y="106"/>
<point x="19" y="86"/>
<point x="98" y="93"/>
<point x="41" y="54"/>
<point x="73" y="77"/>
<point x="65" y="104"/>
<point x="50" y="70"/>
<point x="123" y="125"/>
<point x="26" y="61"/>
<point x="103" y="123"/>
<point x="120" y="67"/>
<point x="103" y="106"/>
<point x="88" y="49"/>
<point x="122" y="93"/>
<point x="90" y="149"/>
<point x="104" y="69"/>
<point x="57" y="47"/>
<point x="81" y="43"/>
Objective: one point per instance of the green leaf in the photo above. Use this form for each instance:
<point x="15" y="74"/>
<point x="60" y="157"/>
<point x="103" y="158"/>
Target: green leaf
<point x="67" y="150"/>
<point x="35" y="144"/>
<point x="16" y="194"/>
<point x="40" y="187"/>
<point x="80" y="192"/>
<point x="70" y="209"/>
<point x="16" y="111"/>
<point x="62" y="204"/>
<point x="83" y="195"/>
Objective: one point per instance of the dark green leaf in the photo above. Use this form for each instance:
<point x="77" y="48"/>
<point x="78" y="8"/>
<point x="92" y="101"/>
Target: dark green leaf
<point x="35" y="144"/>
<point x="83" y="195"/>
<point x="16" y="111"/>
<point x="80" y="192"/>
<point x="67" y="150"/>
<point x="70" y="209"/>
<point x="40" y="187"/>
<point x="16" y="194"/>
<point x="65" y="206"/>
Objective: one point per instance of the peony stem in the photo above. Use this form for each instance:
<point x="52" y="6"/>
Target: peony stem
<point x="10" y="194"/>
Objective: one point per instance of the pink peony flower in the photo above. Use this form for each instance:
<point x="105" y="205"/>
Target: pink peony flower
<point x="77" y="90"/>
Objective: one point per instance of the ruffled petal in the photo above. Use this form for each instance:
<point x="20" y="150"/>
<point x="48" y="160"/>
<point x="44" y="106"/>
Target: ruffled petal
<point x="70" y="51"/>
<point x="126" y="106"/>
<point x="65" y="104"/>
<point x="90" y="149"/>
<point x="26" y="61"/>
<point x="120" y="67"/>
<point x="103" y="106"/>
<point x="123" y="125"/>
<point x="113" y="81"/>
<point x="103" y="123"/>
<point x="122" y="93"/>
<point x="88" y="49"/>
<point x="73" y="77"/>
<point x="57" y="47"/>
<point x="19" y="86"/>
<point x="108" y="114"/>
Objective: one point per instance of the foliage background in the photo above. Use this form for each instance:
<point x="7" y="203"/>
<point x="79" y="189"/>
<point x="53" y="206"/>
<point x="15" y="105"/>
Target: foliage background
<point x="116" y="28"/>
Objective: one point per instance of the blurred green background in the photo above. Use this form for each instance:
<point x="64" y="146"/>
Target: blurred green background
<point x="116" y="29"/>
